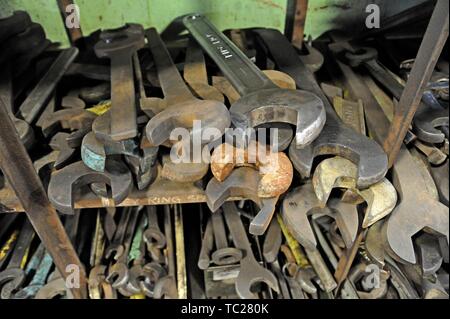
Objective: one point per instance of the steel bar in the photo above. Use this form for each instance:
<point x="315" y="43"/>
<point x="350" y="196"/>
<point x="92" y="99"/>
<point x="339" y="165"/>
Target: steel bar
<point x="429" y="52"/>
<point x="19" y="170"/>
<point x="74" y="34"/>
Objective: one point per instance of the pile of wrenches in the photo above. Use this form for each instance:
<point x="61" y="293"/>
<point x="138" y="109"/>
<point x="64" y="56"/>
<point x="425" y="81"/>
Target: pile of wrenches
<point x="317" y="214"/>
<point x="127" y="255"/>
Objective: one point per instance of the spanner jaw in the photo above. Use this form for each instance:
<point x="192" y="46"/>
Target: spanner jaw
<point x="300" y="108"/>
<point x="257" y="275"/>
<point x="341" y="140"/>
<point x="10" y="281"/>
<point x="63" y="183"/>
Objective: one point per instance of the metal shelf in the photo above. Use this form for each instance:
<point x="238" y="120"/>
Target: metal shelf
<point x="161" y="192"/>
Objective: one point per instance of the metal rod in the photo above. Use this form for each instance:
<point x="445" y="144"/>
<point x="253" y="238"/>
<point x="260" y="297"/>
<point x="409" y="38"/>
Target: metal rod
<point x="74" y="34"/>
<point x="19" y="170"/>
<point x="429" y="52"/>
<point x="298" y="27"/>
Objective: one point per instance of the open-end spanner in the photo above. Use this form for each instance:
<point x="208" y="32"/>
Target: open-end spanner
<point x="282" y="80"/>
<point x="196" y="75"/>
<point x="428" y="251"/>
<point x="339" y="172"/>
<point x="242" y="182"/>
<point x="152" y="273"/>
<point x="94" y="152"/>
<point x="65" y="181"/>
<point x="119" y="45"/>
<point x="413" y="213"/>
<point x="275" y="168"/>
<point x="55" y="288"/>
<point x="251" y="272"/>
<point x="182" y="107"/>
<point x="183" y="172"/>
<point x="13" y="276"/>
<point x="136" y="259"/>
<point x="426" y="119"/>
<point x="223" y="254"/>
<point x="37" y="98"/>
<point x="335" y="138"/>
<point x="153" y="236"/>
<point x="65" y="152"/>
<point x="118" y="271"/>
<point x="262" y="101"/>
<point x="68" y="118"/>
<point x="302" y="201"/>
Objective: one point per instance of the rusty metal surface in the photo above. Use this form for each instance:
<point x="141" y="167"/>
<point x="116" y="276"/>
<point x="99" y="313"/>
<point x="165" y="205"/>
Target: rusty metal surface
<point x="19" y="170"/>
<point x="429" y="52"/>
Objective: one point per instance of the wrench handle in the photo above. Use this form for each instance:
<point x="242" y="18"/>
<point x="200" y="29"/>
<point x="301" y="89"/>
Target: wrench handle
<point x="235" y="65"/>
<point x="123" y="107"/>
<point x="383" y="77"/>
<point x="37" y="98"/>
<point x="218" y="227"/>
<point x="23" y="242"/>
<point x="236" y="227"/>
<point x="194" y="67"/>
<point x="172" y="84"/>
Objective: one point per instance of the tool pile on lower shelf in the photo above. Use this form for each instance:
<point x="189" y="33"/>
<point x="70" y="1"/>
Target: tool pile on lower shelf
<point x="319" y="214"/>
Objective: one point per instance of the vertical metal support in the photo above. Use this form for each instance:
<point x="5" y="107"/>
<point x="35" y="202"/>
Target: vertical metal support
<point x="295" y="21"/>
<point x="429" y="52"/>
<point x="74" y="34"/>
<point x="181" y="257"/>
<point x="19" y="170"/>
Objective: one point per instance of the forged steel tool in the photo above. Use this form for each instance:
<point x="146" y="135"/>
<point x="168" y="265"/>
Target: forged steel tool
<point x="119" y="45"/>
<point x="223" y="254"/>
<point x="182" y="107"/>
<point x="67" y="180"/>
<point x="251" y="272"/>
<point x="417" y="209"/>
<point x="336" y="138"/>
<point x="262" y="101"/>
<point x="242" y="182"/>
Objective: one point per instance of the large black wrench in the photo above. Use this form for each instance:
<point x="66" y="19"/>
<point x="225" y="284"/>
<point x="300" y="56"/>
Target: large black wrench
<point x="336" y="138"/>
<point x="119" y="45"/>
<point x="261" y="100"/>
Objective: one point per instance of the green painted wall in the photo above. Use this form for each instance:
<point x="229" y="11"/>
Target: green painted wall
<point x="323" y="15"/>
<point x="96" y="14"/>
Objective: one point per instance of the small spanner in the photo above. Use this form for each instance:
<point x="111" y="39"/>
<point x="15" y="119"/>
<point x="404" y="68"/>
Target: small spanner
<point x="251" y="272"/>
<point x="242" y="182"/>
<point x="223" y="254"/>
<point x="64" y="182"/>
